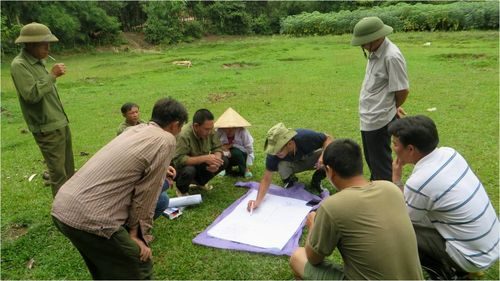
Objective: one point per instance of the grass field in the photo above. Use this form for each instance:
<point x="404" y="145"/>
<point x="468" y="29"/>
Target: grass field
<point x="308" y="82"/>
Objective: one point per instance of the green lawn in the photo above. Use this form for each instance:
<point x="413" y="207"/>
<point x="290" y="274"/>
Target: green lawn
<point x="308" y="82"/>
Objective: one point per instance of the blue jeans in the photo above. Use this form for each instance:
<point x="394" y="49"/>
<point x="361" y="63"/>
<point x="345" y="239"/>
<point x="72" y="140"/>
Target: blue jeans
<point x="162" y="203"/>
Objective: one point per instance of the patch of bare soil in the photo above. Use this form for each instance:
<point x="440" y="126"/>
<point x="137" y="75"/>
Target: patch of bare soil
<point x="237" y="65"/>
<point x="15" y="231"/>
<point x="217" y="97"/>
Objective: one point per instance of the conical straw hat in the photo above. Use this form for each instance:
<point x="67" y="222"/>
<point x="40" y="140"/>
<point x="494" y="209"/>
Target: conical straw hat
<point x="231" y="119"/>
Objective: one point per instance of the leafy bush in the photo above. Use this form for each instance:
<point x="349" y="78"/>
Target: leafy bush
<point x="192" y="29"/>
<point x="164" y="22"/>
<point x="74" y="23"/>
<point x="261" y="25"/>
<point x="9" y="35"/>
<point x="230" y="18"/>
<point x="402" y="17"/>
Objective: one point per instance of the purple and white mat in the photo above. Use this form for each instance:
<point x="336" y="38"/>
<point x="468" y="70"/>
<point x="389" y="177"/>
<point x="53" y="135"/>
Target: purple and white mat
<point x="297" y="192"/>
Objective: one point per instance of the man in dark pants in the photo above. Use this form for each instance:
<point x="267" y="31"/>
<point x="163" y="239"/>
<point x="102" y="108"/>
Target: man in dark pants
<point x="198" y="156"/>
<point x="40" y="103"/>
<point x="106" y="209"/>
<point x="384" y="90"/>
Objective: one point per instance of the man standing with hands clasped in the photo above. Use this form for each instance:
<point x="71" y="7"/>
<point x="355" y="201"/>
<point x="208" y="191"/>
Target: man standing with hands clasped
<point x="40" y="103"/>
<point x="384" y="90"/>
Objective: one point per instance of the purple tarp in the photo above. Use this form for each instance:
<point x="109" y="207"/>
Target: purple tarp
<point x="297" y="191"/>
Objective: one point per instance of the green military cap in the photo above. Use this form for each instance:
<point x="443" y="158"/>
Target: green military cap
<point x="277" y="137"/>
<point x="35" y="32"/>
<point x="369" y="29"/>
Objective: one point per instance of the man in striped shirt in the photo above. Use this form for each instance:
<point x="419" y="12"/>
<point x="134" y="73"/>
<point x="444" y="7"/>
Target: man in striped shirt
<point x="456" y="225"/>
<point x="106" y="209"/>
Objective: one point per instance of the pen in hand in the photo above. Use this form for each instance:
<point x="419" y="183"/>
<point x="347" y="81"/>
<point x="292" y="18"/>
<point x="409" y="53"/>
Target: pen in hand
<point x="51" y="57"/>
<point x="251" y="207"/>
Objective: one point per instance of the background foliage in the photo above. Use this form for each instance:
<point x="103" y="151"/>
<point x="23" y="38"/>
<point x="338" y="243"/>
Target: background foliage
<point x="402" y="17"/>
<point x="89" y="23"/>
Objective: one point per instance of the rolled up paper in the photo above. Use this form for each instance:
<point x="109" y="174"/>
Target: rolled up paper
<point x="185" y="201"/>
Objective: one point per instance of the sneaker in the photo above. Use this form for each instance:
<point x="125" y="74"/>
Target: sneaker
<point x="316" y="180"/>
<point x="248" y="174"/>
<point x="221" y="174"/>
<point x="290" y="181"/>
<point x="206" y="187"/>
<point x="179" y="193"/>
<point x="46" y="175"/>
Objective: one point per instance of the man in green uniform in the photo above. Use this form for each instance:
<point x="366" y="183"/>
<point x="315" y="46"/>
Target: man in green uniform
<point x="198" y="155"/>
<point x="364" y="220"/>
<point x="40" y="103"/>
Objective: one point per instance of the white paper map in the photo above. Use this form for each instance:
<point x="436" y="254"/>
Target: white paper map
<point x="270" y="226"/>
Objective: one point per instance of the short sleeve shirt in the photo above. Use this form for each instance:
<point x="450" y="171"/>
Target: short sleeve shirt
<point x="364" y="223"/>
<point x="385" y="74"/>
<point x="307" y="141"/>
<point x="443" y="191"/>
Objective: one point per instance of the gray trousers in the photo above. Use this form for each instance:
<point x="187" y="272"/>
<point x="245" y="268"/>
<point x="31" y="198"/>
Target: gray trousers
<point x="57" y="151"/>
<point x="307" y="163"/>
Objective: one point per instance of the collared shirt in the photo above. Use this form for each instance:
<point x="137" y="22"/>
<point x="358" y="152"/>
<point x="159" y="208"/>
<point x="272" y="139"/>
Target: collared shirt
<point x="444" y="193"/>
<point x="119" y="185"/>
<point x="124" y="125"/>
<point x="385" y="74"/>
<point x="40" y="103"/>
<point x="190" y="145"/>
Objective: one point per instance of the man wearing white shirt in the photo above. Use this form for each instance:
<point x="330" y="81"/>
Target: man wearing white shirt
<point x="384" y="89"/>
<point x="456" y="225"/>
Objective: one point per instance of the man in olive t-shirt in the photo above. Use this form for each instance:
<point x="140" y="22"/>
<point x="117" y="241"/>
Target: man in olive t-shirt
<point x="365" y="220"/>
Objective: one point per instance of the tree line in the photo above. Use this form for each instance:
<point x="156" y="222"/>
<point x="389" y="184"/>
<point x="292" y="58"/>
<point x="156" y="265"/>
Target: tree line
<point x="92" y="23"/>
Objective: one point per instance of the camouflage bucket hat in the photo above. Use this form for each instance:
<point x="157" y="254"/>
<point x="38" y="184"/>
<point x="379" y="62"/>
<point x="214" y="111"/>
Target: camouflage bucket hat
<point x="35" y="32"/>
<point x="277" y="137"/>
<point x="369" y="29"/>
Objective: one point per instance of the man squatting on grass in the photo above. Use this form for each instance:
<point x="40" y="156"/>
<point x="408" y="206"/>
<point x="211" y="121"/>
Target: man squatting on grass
<point x="384" y="90"/>
<point x="198" y="156"/>
<point x="106" y="209"/>
<point x="289" y="152"/>
<point x="456" y="226"/>
<point x="364" y="220"/>
<point x="40" y="103"/>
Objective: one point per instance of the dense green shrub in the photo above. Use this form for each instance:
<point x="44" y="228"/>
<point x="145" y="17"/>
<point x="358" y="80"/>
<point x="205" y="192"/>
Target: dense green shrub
<point x="192" y="29"/>
<point x="74" y="23"/>
<point x="9" y="35"/>
<point x="402" y="17"/>
<point x="164" y="22"/>
<point x="230" y="18"/>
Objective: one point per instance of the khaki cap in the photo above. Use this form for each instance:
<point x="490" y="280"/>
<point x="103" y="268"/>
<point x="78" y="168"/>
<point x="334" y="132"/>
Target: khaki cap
<point x="231" y="119"/>
<point x="277" y="137"/>
<point x="368" y="30"/>
<point x="35" y="32"/>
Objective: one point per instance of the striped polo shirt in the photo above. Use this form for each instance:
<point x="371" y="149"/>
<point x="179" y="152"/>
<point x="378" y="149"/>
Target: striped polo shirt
<point x="443" y="192"/>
